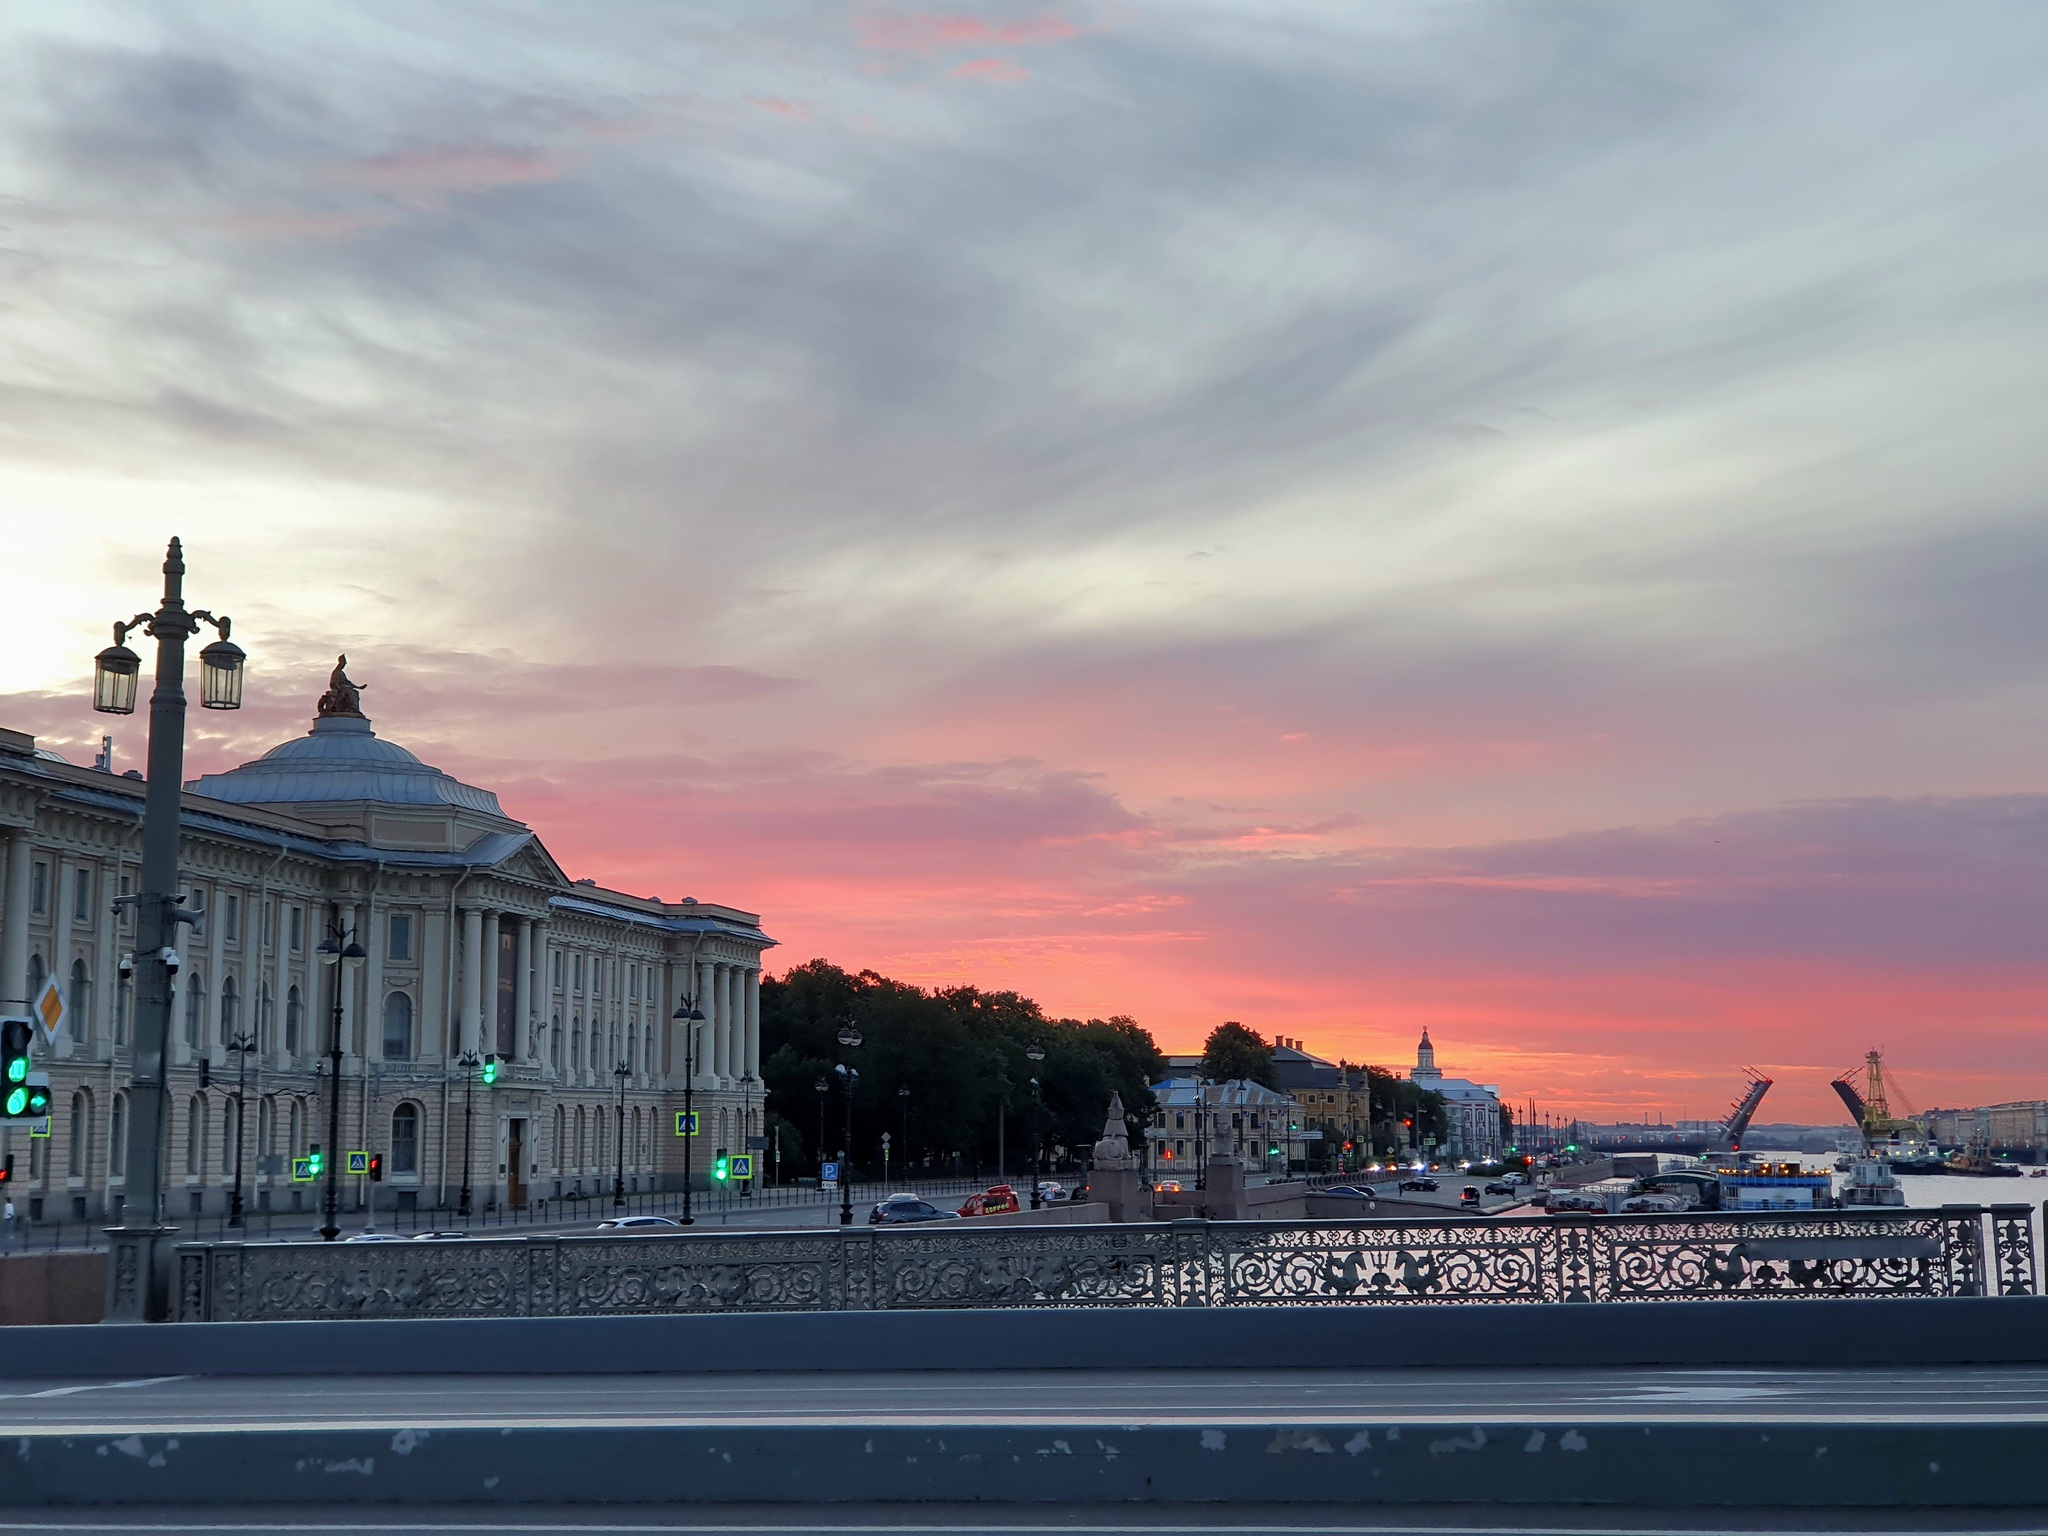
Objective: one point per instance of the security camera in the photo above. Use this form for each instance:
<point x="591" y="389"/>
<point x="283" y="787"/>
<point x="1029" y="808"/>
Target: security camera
<point x="128" y="965"/>
<point x="169" y="956"/>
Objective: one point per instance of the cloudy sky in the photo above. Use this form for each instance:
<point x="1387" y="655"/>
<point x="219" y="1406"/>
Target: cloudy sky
<point x="1521" y="518"/>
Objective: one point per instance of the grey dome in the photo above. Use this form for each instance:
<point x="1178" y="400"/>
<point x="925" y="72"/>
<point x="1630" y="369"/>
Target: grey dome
<point x="342" y="759"/>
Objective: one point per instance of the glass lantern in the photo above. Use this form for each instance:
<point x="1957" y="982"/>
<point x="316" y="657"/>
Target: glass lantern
<point x="116" y="674"/>
<point x="220" y="675"/>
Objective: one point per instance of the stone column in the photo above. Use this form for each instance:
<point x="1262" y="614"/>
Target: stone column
<point x="522" y="991"/>
<point x="488" y="987"/>
<point x="712" y="1062"/>
<point x="543" y="992"/>
<point x="376" y="934"/>
<point x="280" y="986"/>
<point x="61" y="896"/>
<point x="21" y="851"/>
<point x="106" y="973"/>
<point x="753" y="987"/>
<point x="735" y="1024"/>
<point x="472" y="977"/>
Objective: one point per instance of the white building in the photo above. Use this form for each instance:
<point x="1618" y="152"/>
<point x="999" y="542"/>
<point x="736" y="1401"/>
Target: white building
<point x="1473" y="1109"/>
<point x="476" y="941"/>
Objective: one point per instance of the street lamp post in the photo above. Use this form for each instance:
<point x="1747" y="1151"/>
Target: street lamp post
<point x="1035" y="1053"/>
<point x="139" y="1260"/>
<point x="620" y="1073"/>
<point x="242" y="1045"/>
<point x="470" y="1063"/>
<point x="903" y="1102"/>
<point x="849" y="1037"/>
<point x="687" y="1015"/>
<point x="339" y="945"/>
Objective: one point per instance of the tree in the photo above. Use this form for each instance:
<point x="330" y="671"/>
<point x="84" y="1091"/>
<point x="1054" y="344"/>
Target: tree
<point x="1232" y="1052"/>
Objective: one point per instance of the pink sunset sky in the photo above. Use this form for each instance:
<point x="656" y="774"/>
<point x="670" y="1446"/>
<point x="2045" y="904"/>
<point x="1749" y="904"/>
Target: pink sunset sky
<point x="1520" y="520"/>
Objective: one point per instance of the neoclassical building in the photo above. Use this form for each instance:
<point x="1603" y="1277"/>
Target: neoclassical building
<point x="475" y="941"/>
<point x="1472" y="1109"/>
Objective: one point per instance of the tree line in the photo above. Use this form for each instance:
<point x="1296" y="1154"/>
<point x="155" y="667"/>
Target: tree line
<point x="946" y="1072"/>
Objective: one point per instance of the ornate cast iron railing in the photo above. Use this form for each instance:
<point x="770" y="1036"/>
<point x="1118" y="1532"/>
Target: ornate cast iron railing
<point x="1178" y="1264"/>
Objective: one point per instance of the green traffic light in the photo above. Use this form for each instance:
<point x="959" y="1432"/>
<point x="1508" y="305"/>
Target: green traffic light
<point x="719" y="1169"/>
<point x="17" y="1101"/>
<point x="39" y="1101"/>
<point x="490" y="1073"/>
<point x="17" y="1069"/>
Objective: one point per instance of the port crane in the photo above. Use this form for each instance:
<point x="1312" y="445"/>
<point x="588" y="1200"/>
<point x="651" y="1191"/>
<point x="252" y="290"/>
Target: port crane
<point x="1871" y="1108"/>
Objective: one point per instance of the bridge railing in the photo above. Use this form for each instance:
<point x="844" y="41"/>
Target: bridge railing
<point x="1952" y="1251"/>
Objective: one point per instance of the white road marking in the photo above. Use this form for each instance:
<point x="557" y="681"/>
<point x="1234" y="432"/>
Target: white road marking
<point x="94" y="1386"/>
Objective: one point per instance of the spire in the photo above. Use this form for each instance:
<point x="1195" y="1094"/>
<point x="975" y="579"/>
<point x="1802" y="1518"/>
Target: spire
<point x="1425" y="1059"/>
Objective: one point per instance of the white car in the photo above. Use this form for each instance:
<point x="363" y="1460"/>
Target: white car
<point x="635" y="1223"/>
<point x="1050" y="1191"/>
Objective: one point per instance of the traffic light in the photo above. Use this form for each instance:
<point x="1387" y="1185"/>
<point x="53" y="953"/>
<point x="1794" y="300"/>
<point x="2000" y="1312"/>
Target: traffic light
<point x="316" y="1163"/>
<point x="721" y="1166"/>
<point x="7" y="1170"/>
<point x="490" y="1071"/>
<point x="376" y="1167"/>
<point x="25" y="1100"/>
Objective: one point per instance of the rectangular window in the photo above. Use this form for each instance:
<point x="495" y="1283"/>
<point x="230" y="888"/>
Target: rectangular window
<point x="399" y="946"/>
<point x="195" y="903"/>
<point x="269" y="923"/>
<point x="558" y="970"/>
<point x="81" y="895"/>
<point x="579" y="973"/>
<point x="39" y="889"/>
<point x="127" y="912"/>
<point x="298" y="927"/>
<point x="231" y="919"/>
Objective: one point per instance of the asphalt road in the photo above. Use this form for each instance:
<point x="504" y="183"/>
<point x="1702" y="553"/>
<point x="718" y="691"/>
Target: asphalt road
<point x="1952" y="1395"/>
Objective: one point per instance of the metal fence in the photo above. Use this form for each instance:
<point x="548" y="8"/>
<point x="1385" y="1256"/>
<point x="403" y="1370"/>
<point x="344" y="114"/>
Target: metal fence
<point x="1178" y="1264"/>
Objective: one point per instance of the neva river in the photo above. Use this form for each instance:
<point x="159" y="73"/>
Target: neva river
<point x="1931" y="1189"/>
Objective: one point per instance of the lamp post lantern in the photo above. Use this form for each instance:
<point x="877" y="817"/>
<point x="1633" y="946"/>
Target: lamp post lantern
<point x="688" y="1016"/>
<point x="242" y="1045"/>
<point x="620" y="1073"/>
<point x="138" y="1261"/>
<point x="849" y="1038"/>
<point x="471" y="1063"/>
<point x="823" y="1087"/>
<point x="903" y="1103"/>
<point x="339" y="945"/>
<point x="1035" y="1053"/>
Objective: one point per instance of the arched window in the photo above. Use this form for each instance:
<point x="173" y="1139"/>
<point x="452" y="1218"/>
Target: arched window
<point x="195" y="1134"/>
<point x="560" y="1125"/>
<point x="266" y="1125"/>
<point x="80" y="1000"/>
<point x="582" y="1146"/>
<point x="405" y="1139"/>
<point x="227" y="1136"/>
<point x="555" y="1042"/>
<point x="294" y="1014"/>
<point x="604" y="1152"/>
<point x="596" y="1047"/>
<point x="632" y="1047"/>
<point x="230" y="1009"/>
<point x="124" y="989"/>
<point x="634" y="1156"/>
<point x="398" y="1027"/>
<point x="647" y="1055"/>
<point x="266" y="1018"/>
<point x="37" y="973"/>
<point x="81" y="1133"/>
<point x="298" y="1128"/>
<point x="576" y="1045"/>
<point x="117" y="1138"/>
<point x="195" y="1011"/>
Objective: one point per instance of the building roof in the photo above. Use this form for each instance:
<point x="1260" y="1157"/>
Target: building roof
<point x="1238" y="1093"/>
<point x="342" y="759"/>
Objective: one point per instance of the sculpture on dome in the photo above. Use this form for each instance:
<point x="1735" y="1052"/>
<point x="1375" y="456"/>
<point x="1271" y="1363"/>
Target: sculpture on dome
<point x="342" y="698"/>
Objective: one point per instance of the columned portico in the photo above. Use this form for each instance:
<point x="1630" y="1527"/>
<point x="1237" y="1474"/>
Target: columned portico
<point x="14" y="924"/>
<point x="471" y="1018"/>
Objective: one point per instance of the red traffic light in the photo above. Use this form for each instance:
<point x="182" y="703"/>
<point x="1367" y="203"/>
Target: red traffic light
<point x="376" y="1167"/>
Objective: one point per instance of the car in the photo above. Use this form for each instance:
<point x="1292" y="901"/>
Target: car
<point x="635" y="1223"/>
<point x="1514" y="1180"/>
<point x="1418" y="1185"/>
<point x="1051" y="1191"/>
<point x="440" y="1237"/>
<point x="993" y="1201"/>
<point x="906" y="1210"/>
<point x="374" y="1237"/>
<point x="1469" y="1195"/>
<point x="1166" y="1187"/>
<point x="1348" y="1192"/>
<point x="1500" y="1187"/>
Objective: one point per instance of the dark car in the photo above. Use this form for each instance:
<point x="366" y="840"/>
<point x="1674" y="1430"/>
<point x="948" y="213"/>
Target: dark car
<point x="904" y="1210"/>
<point x="1348" y="1192"/>
<point x="1418" y="1186"/>
<point x="1500" y="1187"/>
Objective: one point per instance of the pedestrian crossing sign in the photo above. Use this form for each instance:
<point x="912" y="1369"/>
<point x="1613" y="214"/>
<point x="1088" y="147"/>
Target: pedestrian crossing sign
<point x="304" y="1170"/>
<point x="742" y="1165"/>
<point x="686" y="1122"/>
<point x="358" y="1162"/>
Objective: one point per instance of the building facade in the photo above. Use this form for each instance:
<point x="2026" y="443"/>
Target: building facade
<point x="477" y="944"/>
<point x="1246" y="1120"/>
<point x="1471" y="1109"/>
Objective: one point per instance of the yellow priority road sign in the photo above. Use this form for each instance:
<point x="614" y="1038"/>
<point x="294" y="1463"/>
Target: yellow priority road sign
<point x="50" y="1009"/>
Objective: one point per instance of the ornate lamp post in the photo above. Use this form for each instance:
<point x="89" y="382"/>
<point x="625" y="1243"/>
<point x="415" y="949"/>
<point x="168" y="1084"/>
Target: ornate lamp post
<point x="687" y="1015"/>
<point x="903" y="1103"/>
<point x="242" y="1045"/>
<point x="471" y="1064"/>
<point x="823" y="1087"/>
<point x="1035" y="1053"/>
<point x="138" y="1266"/>
<point x="339" y="945"/>
<point x="620" y="1073"/>
<point x="849" y="1077"/>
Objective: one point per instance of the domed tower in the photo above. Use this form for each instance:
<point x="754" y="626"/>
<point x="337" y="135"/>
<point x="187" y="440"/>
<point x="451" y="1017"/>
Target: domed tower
<point x="1425" y="1062"/>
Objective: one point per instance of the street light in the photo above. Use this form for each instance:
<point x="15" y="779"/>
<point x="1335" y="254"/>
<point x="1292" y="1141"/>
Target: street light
<point x="849" y="1038"/>
<point x="620" y="1073"/>
<point x="242" y="1045"/>
<point x="471" y="1064"/>
<point x="339" y="945"/>
<point x="1035" y="1053"/>
<point x="903" y="1102"/>
<point x="138" y="1267"/>
<point x="823" y="1088"/>
<point x="687" y="1015"/>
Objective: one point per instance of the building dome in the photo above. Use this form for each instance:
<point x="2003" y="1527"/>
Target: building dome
<point x="342" y="759"/>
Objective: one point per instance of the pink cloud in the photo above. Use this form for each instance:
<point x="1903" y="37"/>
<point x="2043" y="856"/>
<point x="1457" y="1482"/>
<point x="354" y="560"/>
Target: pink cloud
<point x="927" y="34"/>
<point x="301" y="224"/>
<point x="428" y="175"/>
<point x="991" y="69"/>
<point x="795" y="111"/>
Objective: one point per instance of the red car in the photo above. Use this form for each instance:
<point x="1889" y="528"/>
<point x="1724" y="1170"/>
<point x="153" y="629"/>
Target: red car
<point x="993" y="1201"/>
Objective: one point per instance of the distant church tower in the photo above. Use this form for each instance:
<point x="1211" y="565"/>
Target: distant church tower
<point x="1425" y="1062"/>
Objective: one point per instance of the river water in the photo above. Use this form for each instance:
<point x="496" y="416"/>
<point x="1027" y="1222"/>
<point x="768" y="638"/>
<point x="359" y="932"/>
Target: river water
<point x="1927" y="1190"/>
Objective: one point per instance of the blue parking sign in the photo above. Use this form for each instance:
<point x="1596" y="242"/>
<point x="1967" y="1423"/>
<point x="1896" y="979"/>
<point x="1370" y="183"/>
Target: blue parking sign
<point x="829" y="1174"/>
